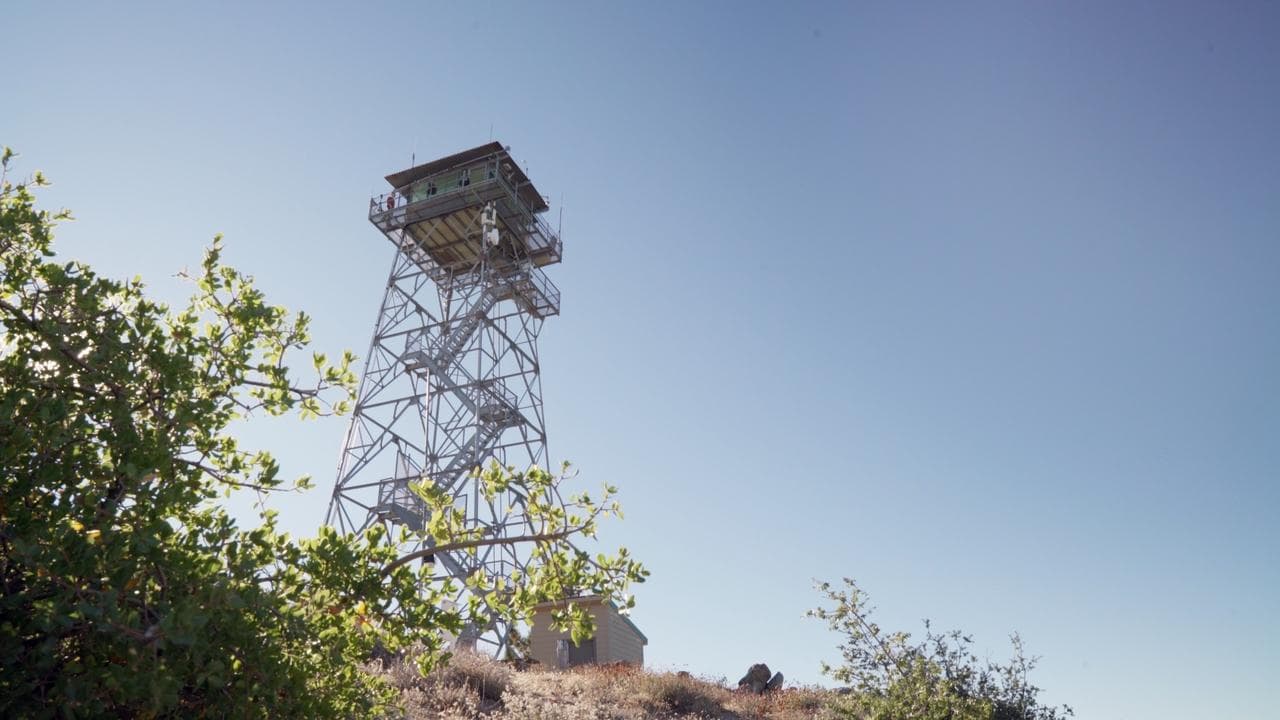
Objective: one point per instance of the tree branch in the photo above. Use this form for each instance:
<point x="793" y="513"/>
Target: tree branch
<point x="468" y="544"/>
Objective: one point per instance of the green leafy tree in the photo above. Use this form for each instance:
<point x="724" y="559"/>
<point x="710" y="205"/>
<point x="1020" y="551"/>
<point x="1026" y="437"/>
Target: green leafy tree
<point x="126" y="589"/>
<point x="936" y="678"/>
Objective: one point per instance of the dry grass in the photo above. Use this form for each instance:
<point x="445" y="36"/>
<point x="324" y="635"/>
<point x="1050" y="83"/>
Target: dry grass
<point x="667" y="695"/>
<point x="469" y="686"/>
<point x="474" y="686"/>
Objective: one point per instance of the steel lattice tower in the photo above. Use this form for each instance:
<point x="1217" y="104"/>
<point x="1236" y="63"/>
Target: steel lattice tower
<point x="451" y="378"/>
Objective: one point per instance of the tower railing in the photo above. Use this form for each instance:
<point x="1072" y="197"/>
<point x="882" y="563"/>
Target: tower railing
<point x="538" y="236"/>
<point x="398" y="502"/>
<point x="536" y="289"/>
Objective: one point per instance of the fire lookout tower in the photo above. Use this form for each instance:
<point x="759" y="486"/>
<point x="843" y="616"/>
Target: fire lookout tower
<point x="451" y="378"/>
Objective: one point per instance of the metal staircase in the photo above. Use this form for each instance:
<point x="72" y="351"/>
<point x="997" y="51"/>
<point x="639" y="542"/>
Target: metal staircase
<point x="454" y="340"/>
<point x="494" y="407"/>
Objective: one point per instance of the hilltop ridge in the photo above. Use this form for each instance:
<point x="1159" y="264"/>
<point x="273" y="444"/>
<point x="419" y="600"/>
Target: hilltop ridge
<point x="476" y="686"/>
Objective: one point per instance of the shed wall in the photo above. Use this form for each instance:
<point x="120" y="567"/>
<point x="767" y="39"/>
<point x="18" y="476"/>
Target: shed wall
<point x="616" y="641"/>
<point x="624" y="644"/>
<point x="542" y="639"/>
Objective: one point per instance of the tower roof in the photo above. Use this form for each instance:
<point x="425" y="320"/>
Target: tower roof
<point x="524" y="185"/>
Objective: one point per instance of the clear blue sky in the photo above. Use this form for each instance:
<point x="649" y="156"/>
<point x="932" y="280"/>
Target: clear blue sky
<point x="979" y="305"/>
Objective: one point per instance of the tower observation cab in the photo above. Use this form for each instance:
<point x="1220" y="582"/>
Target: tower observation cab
<point x="452" y="376"/>
<point x="438" y="206"/>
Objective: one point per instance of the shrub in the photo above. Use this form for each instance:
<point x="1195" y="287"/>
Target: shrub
<point x="937" y="678"/>
<point x="669" y="694"/>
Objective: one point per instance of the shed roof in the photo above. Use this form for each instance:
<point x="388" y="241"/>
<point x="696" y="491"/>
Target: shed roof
<point x="524" y="185"/>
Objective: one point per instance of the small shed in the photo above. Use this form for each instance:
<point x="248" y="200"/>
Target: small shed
<point x="617" y="639"/>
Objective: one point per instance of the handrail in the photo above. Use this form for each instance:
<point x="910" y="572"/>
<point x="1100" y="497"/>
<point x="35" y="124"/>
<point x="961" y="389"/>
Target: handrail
<point x="543" y="285"/>
<point x="500" y="393"/>
<point x="397" y="492"/>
